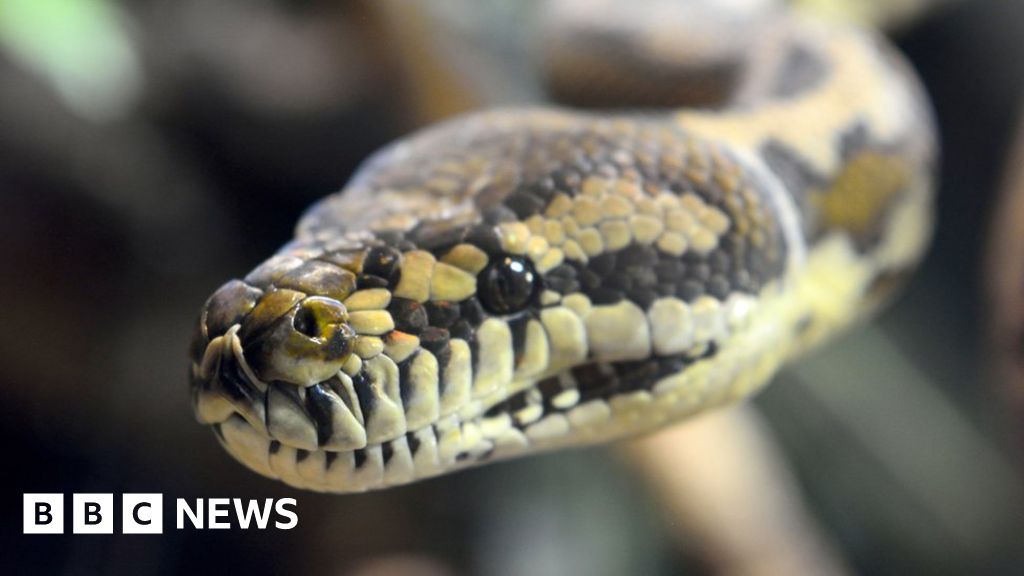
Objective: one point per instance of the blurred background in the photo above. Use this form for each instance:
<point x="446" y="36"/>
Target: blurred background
<point x="152" y="149"/>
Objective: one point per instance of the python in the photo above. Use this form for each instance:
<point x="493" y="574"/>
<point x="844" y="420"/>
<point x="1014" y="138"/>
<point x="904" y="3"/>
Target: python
<point x="519" y="280"/>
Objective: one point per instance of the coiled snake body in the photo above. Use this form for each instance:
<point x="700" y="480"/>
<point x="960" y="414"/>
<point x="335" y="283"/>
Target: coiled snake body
<point x="519" y="280"/>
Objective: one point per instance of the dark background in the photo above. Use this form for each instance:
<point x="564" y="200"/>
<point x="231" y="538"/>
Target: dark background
<point x="150" y="150"/>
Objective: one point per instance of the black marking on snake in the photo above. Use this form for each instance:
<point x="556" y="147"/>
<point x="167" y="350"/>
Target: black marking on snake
<point x="367" y="281"/>
<point x="485" y="238"/>
<point x="386" y="451"/>
<point x="855" y="140"/>
<point x="642" y="274"/>
<point x="436" y="236"/>
<point x="318" y="406"/>
<point x="233" y="381"/>
<point x="588" y="280"/>
<point x="510" y="405"/>
<point x="797" y="177"/>
<point x="359" y="457"/>
<point x="604" y="263"/>
<point x="801" y="71"/>
<point x="563" y="179"/>
<point x="414" y="443"/>
<point x="275" y="447"/>
<point x="526" y="202"/>
<point x="618" y="283"/>
<point x="562" y="278"/>
<point x="463" y="330"/>
<point x="596" y="381"/>
<point x="472" y="342"/>
<point x="335" y="384"/>
<point x="497" y="214"/>
<point x="604" y="380"/>
<point x="405" y="378"/>
<point x="633" y="376"/>
<point x="669" y="270"/>
<point x="517" y="325"/>
<point x="408" y="315"/>
<point x="690" y="290"/>
<point x="604" y="295"/>
<point x="442" y="314"/>
<point x="549" y="389"/>
<point x="230" y="380"/>
<point x="329" y="458"/>
<point x="300" y="455"/>
<point x="499" y="408"/>
<point x="382" y="261"/>
<point x="637" y="256"/>
<point x="367" y="403"/>
<point x="472" y="312"/>
<point x="642" y="297"/>
<point x="435" y="340"/>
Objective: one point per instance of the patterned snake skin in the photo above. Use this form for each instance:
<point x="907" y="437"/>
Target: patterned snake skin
<point x="519" y="280"/>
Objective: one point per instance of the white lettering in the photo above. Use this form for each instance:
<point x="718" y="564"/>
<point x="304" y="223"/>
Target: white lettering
<point x="195" y="517"/>
<point x="219" y="509"/>
<point x="283" y="511"/>
<point x="253" y="511"/>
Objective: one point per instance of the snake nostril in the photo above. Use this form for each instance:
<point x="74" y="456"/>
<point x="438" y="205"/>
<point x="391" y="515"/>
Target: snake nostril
<point x="305" y="322"/>
<point x="318" y="317"/>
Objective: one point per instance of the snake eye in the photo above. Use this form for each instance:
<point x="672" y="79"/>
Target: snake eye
<point x="508" y="284"/>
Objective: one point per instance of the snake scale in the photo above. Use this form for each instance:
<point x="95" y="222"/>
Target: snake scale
<point x="518" y="280"/>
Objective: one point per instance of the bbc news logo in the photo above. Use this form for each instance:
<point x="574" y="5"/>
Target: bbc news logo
<point x="144" y="513"/>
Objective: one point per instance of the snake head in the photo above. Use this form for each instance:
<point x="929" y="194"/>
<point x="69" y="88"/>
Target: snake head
<point x="445" y="330"/>
<point x="354" y="360"/>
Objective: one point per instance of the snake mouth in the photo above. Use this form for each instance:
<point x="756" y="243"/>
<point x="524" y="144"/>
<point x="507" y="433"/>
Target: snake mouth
<point x="342" y="433"/>
<point x="375" y="466"/>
